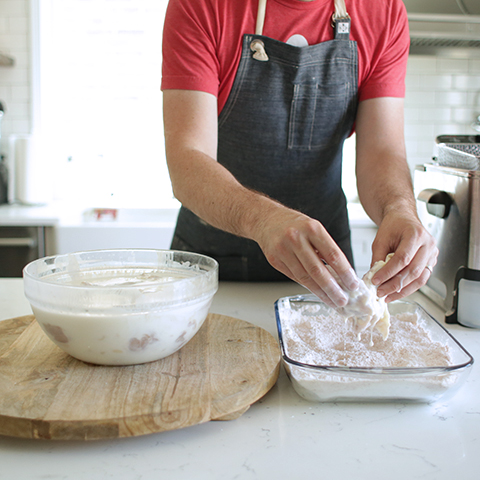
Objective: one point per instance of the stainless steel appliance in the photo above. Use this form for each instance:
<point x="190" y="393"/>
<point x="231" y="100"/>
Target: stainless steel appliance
<point x="448" y="202"/>
<point x="19" y="246"/>
<point x="3" y="181"/>
<point x="3" y="166"/>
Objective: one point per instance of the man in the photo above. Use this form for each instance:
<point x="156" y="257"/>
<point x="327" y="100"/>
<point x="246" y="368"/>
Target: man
<point x="258" y="100"/>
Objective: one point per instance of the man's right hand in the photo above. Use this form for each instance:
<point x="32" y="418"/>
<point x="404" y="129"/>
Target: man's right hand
<point x="299" y="247"/>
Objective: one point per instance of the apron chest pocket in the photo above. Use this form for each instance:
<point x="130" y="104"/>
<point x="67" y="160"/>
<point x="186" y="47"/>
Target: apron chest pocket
<point x="317" y="114"/>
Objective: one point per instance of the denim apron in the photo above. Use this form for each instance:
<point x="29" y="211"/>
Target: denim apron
<point x="281" y="132"/>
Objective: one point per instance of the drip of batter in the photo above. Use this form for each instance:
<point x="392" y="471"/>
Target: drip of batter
<point x="364" y="307"/>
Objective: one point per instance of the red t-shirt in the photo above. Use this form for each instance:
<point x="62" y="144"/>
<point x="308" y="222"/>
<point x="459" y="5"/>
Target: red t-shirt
<point x="202" y="40"/>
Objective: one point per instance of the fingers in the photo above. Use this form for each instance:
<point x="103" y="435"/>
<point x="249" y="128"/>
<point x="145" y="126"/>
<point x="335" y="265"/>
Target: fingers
<point x="336" y="261"/>
<point x="410" y="288"/>
<point x="306" y="268"/>
<point x="301" y="252"/>
<point x="312" y="286"/>
<point x="413" y="247"/>
<point x="405" y="274"/>
<point x="329" y="279"/>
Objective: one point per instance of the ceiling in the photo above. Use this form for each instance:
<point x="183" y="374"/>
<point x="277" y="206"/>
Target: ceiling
<point x="444" y="27"/>
<point x="449" y="7"/>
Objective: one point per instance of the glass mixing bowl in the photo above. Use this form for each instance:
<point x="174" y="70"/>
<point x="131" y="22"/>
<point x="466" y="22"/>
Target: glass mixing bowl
<point x="123" y="306"/>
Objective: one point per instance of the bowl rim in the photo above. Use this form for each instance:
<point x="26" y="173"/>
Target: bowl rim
<point x="340" y="369"/>
<point x="27" y="275"/>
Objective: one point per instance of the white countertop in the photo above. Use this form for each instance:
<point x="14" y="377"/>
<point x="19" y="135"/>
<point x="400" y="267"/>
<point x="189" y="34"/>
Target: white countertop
<point x="28" y="216"/>
<point x="280" y="437"/>
<point x="74" y="215"/>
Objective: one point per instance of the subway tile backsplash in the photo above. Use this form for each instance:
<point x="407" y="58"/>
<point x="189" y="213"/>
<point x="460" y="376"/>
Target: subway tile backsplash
<point x="15" y="82"/>
<point x="443" y="97"/>
<point x="443" y="94"/>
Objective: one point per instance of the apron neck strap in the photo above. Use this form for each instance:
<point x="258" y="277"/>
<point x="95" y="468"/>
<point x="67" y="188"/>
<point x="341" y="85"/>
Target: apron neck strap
<point x="339" y="17"/>
<point x="262" y="6"/>
<point x="340" y="9"/>
<point x="341" y="21"/>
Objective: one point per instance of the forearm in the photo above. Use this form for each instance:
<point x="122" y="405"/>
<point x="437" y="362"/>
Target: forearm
<point x="383" y="176"/>
<point x="385" y="186"/>
<point x="385" y="190"/>
<point x="199" y="182"/>
<point x="205" y="187"/>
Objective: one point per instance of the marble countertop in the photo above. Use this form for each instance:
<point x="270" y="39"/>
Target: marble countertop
<point x="74" y="215"/>
<point x="28" y="216"/>
<point x="281" y="436"/>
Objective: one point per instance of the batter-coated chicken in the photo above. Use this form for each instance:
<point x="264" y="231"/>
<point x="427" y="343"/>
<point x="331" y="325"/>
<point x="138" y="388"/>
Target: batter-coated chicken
<point x="364" y="307"/>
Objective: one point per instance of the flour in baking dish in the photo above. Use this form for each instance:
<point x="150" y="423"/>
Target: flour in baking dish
<point x="315" y="338"/>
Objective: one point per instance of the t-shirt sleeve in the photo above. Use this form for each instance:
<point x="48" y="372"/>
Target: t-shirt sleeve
<point x="387" y="69"/>
<point x="189" y="60"/>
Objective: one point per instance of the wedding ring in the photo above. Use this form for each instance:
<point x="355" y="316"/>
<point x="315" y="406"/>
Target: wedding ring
<point x="428" y="267"/>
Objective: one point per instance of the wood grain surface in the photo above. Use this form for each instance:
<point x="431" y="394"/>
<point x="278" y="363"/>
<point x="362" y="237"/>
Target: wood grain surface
<point x="47" y="394"/>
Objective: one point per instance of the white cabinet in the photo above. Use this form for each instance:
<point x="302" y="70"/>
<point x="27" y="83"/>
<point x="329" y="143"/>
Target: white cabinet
<point x="363" y="232"/>
<point x="129" y="228"/>
<point x="71" y="238"/>
<point x="362" y="239"/>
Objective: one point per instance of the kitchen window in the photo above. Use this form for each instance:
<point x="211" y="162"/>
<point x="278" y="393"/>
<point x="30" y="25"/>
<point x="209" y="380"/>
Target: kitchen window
<point x="98" y="107"/>
<point x="98" y="101"/>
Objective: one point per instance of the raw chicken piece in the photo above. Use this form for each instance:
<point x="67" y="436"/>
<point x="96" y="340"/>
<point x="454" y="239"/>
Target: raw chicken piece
<point x="364" y="307"/>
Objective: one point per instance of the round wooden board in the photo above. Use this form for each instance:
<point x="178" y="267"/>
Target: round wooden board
<point x="45" y="393"/>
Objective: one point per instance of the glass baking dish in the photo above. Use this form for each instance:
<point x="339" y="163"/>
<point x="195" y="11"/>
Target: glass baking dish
<point x="334" y="383"/>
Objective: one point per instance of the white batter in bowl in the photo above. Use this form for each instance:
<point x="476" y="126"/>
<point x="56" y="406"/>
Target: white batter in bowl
<point x="121" y="307"/>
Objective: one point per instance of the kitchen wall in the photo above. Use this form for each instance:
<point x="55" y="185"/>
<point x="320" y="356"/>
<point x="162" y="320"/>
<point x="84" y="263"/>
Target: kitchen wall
<point x="443" y="94"/>
<point x="443" y="97"/>
<point x="15" y="82"/>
